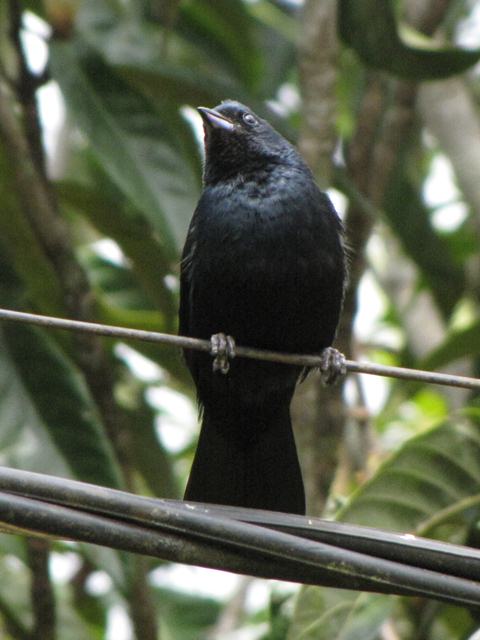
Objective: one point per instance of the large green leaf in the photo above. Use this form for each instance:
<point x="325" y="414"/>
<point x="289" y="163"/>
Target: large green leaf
<point x="122" y="35"/>
<point x="168" y="357"/>
<point x="150" y="458"/>
<point x="216" y="51"/>
<point x="276" y="34"/>
<point x="171" y="69"/>
<point x="463" y="343"/>
<point x="410" y="219"/>
<point x="25" y="253"/>
<point x="183" y="85"/>
<point x="116" y="282"/>
<point x="49" y="423"/>
<point x="14" y="597"/>
<point x="323" y="614"/>
<point x="134" y="235"/>
<point x="370" y="28"/>
<point x="24" y="438"/>
<point x="184" y="616"/>
<point x="218" y="34"/>
<point x="136" y="148"/>
<point x="433" y="479"/>
<point x="223" y="31"/>
<point x="194" y="87"/>
<point x="431" y="485"/>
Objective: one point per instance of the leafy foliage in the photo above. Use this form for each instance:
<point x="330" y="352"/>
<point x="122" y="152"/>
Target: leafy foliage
<point x="370" y="28"/>
<point x="430" y="486"/>
<point x="126" y="176"/>
<point x="71" y="421"/>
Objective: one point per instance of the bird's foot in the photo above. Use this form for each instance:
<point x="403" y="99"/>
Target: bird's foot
<point x="223" y="350"/>
<point x="332" y="366"/>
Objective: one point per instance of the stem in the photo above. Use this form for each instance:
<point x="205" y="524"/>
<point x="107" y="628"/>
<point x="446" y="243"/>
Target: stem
<point x="41" y="590"/>
<point x="142" y="608"/>
<point x="318" y="63"/>
<point x="27" y="85"/>
<point x="320" y="412"/>
<point x="444" y="515"/>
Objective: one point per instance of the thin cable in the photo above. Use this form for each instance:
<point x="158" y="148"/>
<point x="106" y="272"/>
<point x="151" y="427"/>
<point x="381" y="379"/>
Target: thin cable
<point x="245" y="352"/>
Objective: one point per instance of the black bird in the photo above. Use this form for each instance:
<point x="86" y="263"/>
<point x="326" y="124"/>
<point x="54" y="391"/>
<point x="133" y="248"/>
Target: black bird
<point x="264" y="263"/>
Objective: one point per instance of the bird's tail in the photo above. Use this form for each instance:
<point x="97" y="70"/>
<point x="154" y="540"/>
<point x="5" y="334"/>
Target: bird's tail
<point x="247" y="458"/>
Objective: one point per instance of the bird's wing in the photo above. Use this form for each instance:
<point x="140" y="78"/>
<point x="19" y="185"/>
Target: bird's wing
<point x="184" y="320"/>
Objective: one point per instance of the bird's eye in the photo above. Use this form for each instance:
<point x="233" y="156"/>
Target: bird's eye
<point x="249" y="119"/>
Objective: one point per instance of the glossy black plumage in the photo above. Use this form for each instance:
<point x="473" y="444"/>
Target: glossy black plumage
<point x="263" y="262"/>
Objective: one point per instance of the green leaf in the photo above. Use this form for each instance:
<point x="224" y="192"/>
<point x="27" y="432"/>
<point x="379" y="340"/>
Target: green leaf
<point x="434" y="479"/>
<point x="323" y="614"/>
<point x="49" y="424"/>
<point x="180" y="84"/>
<point x="217" y="35"/>
<point x="24" y="252"/>
<point x="276" y="18"/>
<point x="223" y="31"/>
<point x="135" y="147"/>
<point x="186" y="617"/>
<point x="116" y="282"/>
<point x="150" y="458"/>
<point x="14" y="597"/>
<point x="24" y="438"/>
<point x="410" y="219"/>
<point x="370" y="28"/>
<point x="133" y="234"/>
<point x="166" y="356"/>
<point x="178" y="71"/>
<point x="44" y="399"/>
<point x="71" y="625"/>
<point x="277" y="35"/>
<point x="194" y="87"/>
<point x="463" y="343"/>
<point x="216" y="51"/>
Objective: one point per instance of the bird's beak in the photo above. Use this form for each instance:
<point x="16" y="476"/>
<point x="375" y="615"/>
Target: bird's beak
<point x="215" y="120"/>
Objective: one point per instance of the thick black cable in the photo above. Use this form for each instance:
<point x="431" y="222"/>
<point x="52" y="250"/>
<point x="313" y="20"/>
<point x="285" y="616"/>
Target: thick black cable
<point x="304" y="560"/>
<point x="33" y="516"/>
<point x="456" y="560"/>
<point x="429" y="554"/>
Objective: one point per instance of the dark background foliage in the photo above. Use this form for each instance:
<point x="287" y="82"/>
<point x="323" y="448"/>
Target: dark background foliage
<point x="100" y="169"/>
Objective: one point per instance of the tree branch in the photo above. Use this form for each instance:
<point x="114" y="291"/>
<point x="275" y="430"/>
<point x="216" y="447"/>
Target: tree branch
<point x="140" y="601"/>
<point x="42" y="595"/>
<point x="318" y="52"/>
<point x="318" y="413"/>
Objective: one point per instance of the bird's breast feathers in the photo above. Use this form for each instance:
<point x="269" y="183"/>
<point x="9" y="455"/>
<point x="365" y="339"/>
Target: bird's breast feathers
<point x="263" y="218"/>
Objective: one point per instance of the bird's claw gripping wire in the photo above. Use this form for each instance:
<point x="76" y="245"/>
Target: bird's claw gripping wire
<point x="332" y="366"/>
<point x="223" y="350"/>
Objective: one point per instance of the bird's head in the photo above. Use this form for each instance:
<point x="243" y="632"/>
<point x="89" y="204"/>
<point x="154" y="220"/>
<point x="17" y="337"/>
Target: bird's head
<point x="239" y="141"/>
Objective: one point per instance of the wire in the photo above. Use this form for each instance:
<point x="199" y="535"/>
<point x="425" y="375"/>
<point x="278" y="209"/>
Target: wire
<point x="263" y="544"/>
<point x="235" y="539"/>
<point x="184" y="342"/>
